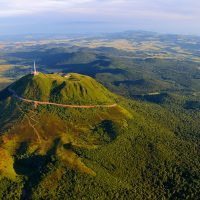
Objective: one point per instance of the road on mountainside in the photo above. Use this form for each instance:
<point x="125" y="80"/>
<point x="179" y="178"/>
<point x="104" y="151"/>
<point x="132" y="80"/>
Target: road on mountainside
<point x="56" y="104"/>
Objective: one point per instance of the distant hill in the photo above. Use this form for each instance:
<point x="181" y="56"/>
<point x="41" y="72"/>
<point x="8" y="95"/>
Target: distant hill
<point x="143" y="86"/>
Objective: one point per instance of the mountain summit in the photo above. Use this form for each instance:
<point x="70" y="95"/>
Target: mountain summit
<point x="65" y="136"/>
<point x="52" y="115"/>
<point x="62" y="88"/>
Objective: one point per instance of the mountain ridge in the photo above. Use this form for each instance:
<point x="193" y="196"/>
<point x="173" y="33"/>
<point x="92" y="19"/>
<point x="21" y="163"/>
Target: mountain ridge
<point x="131" y="150"/>
<point x="40" y="124"/>
<point x="62" y="88"/>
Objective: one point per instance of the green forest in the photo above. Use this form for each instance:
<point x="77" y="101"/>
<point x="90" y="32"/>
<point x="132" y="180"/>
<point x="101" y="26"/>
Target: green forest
<point x="145" y="147"/>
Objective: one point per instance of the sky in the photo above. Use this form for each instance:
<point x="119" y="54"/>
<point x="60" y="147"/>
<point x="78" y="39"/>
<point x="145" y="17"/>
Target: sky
<point x="99" y="16"/>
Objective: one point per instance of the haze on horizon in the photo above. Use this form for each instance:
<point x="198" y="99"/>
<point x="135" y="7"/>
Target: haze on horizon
<point x="98" y="16"/>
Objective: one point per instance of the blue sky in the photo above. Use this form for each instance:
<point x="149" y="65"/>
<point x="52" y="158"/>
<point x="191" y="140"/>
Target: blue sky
<point x="82" y="16"/>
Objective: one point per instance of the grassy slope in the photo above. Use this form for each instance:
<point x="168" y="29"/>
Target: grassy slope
<point x="103" y="153"/>
<point x="60" y="130"/>
<point x="55" y="88"/>
<point x="146" y="160"/>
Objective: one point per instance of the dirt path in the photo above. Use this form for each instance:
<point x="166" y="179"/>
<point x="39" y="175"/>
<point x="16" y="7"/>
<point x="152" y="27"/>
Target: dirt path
<point x="32" y="122"/>
<point x="56" y="104"/>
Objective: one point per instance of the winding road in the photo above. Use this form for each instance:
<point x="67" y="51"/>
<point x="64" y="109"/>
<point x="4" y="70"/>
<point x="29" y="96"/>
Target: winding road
<point x="36" y="103"/>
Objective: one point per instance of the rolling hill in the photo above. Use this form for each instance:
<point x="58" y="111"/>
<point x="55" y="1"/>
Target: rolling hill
<point x="133" y="150"/>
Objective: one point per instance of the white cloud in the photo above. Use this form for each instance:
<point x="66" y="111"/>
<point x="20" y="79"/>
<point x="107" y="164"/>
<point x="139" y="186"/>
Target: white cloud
<point x="179" y="9"/>
<point x="21" y="7"/>
<point x="127" y="13"/>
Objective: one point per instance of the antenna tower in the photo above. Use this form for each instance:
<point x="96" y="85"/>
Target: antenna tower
<point x="34" y="70"/>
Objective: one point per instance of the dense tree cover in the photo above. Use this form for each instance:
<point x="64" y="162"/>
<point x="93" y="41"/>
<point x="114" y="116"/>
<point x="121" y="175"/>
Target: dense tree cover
<point x="102" y="153"/>
<point x="10" y="189"/>
<point x="155" y="157"/>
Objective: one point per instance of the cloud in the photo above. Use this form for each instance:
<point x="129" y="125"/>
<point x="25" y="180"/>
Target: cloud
<point x="25" y="7"/>
<point x="125" y="13"/>
<point x="179" y="9"/>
